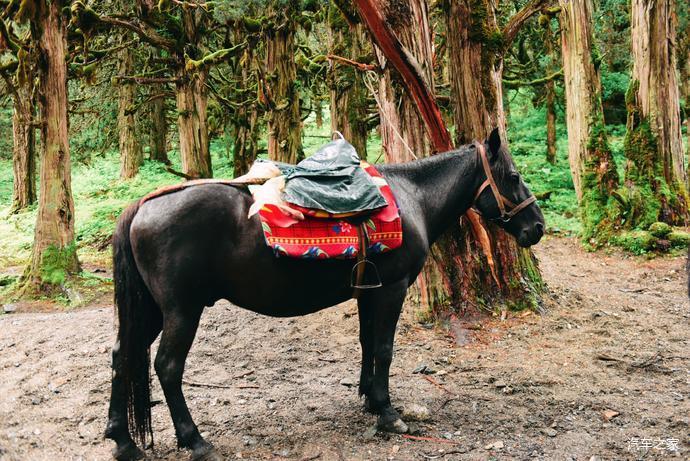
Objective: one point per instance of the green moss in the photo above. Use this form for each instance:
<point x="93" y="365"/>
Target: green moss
<point x="679" y="239"/>
<point x="660" y="229"/>
<point x="637" y="242"/>
<point x="57" y="263"/>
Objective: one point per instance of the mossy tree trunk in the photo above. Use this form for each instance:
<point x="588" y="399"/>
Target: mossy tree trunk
<point x="158" y="131"/>
<point x="54" y="254"/>
<point x="591" y="162"/>
<point x="192" y="101"/>
<point x="348" y="95"/>
<point x="131" y="155"/>
<point x="655" y="171"/>
<point x="246" y="120"/>
<point x="23" y="145"/>
<point x="284" y="123"/>
<point x="511" y="277"/>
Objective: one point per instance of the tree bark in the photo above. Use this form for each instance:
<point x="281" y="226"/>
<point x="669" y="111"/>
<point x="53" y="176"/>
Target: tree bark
<point x="158" y="131"/>
<point x="655" y="171"/>
<point x="591" y="162"/>
<point x="131" y="155"/>
<point x="403" y="134"/>
<point x="348" y="95"/>
<point x="284" y="123"/>
<point x="550" y="88"/>
<point x="511" y="277"/>
<point x="54" y="255"/>
<point x="158" y="135"/>
<point x="192" y="104"/>
<point x="24" y="147"/>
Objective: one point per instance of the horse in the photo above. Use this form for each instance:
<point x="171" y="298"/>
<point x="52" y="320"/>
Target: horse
<point x="180" y="252"/>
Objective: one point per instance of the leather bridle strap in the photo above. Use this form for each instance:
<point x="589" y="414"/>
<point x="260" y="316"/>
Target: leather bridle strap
<point x="502" y="202"/>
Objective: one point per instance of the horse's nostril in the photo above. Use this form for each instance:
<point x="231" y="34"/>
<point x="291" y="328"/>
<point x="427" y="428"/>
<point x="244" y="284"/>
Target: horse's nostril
<point x="540" y="227"/>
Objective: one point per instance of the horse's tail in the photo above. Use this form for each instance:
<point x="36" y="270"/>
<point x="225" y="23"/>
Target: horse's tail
<point x="135" y="310"/>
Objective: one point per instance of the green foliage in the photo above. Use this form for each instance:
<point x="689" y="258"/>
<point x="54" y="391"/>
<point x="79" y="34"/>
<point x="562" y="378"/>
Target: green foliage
<point x="660" y="229"/>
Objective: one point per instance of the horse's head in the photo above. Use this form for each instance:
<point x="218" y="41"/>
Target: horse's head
<point x="503" y="196"/>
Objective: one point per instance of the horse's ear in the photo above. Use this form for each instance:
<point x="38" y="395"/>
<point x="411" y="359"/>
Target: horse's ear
<point x="494" y="143"/>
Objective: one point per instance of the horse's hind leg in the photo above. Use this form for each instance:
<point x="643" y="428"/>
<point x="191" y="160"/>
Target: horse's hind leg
<point x="179" y="329"/>
<point x="117" y="429"/>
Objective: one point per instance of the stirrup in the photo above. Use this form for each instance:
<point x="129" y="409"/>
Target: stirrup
<point x="358" y="284"/>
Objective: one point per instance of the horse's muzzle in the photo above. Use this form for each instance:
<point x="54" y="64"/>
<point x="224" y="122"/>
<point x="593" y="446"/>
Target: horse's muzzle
<point x="531" y="236"/>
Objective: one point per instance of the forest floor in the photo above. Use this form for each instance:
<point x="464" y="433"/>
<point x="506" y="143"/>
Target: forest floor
<point x="603" y="374"/>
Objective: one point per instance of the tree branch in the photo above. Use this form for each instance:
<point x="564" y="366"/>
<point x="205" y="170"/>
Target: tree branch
<point x="511" y="29"/>
<point x="143" y="30"/>
<point x="538" y="81"/>
<point x="147" y="80"/>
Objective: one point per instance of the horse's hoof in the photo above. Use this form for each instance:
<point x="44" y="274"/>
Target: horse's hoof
<point x="127" y="452"/>
<point x="206" y="453"/>
<point x="396" y="426"/>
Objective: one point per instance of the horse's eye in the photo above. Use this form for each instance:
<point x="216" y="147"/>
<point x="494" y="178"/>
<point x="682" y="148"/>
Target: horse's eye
<point x="514" y="177"/>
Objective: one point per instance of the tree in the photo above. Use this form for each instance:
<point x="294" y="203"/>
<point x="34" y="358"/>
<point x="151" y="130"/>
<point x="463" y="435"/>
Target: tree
<point x="655" y="171"/>
<point x="158" y="131"/>
<point x="467" y="259"/>
<point x="280" y="84"/>
<point x="131" y="155"/>
<point x="54" y="254"/>
<point x="19" y="77"/>
<point x="591" y="162"/>
<point x="348" y="95"/>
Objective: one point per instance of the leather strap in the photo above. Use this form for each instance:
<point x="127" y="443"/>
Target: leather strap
<point x="501" y="201"/>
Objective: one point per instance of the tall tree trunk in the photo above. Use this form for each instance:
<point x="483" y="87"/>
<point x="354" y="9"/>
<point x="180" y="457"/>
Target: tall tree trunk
<point x="403" y="136"/>
<point x="54" y="254"/>
<point x="158" y="135"/>
<point x="24" y="147"/>
<point x="655" y="171"/>
<point x="192" y="100"/>
<point x="158" y="130"/>
<point x="550" y="88"/>
<point x="131" y="155"/>
<point x="591" y="163"/>
<point x="476" y="68"/>
<point x="348" y="94"/>
<point x="284" y="123"/>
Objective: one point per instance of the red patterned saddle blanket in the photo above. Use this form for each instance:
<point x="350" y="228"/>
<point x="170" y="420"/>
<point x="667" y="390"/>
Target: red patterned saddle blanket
<point x="323" y="236"/>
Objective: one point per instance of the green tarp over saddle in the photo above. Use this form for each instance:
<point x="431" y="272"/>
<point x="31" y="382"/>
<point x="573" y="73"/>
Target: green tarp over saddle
<point x="331" y="180"/>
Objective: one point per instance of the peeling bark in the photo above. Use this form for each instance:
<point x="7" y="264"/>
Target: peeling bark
<point x="192" y="104"/>
<point x="284" y="123"/>
<point x="591" y="162"/>
<point x="23" y="147"/>
<point x="655" y="172"/>
<point x="131" y="155"/>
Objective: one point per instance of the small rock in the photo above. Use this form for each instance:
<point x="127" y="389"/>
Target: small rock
<point x="311" y="406"/>
<point x="549" y="431"/>
<point x="416" y="412"/>
<point x="347" y="382"/>
<point x="37" y="432"/>
<point x="9" y="308"/>
<point x="424" y="369"/>
<point x="608" y="414"/>
<point x="595" y="458"/>
<point x="499" y="384"/>
<point x="248" y="440"/>
<point x="284" y="453"/>
<point x="242" y="401"/>
<point x="447" y="435"/>
<point x="369" y="433"/>
<point x="497" y="445"/>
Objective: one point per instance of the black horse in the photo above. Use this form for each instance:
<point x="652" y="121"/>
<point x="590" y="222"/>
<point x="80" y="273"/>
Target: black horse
<point x="176" y="254"/>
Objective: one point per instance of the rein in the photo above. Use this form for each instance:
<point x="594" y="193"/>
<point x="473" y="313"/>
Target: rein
<point x="507" y="208"/>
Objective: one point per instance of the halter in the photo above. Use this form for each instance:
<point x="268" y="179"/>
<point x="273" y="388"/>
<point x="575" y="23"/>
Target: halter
<point x="507" y="208"/>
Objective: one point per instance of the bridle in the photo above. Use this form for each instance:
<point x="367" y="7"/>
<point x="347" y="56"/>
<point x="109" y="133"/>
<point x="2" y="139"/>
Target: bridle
<point x="507" y="208"/>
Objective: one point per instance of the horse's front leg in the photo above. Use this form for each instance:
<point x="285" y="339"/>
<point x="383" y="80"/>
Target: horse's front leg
<point x="366" y="341"/>
<point x="385" y="305"/>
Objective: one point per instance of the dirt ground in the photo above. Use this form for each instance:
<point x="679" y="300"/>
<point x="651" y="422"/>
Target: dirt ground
<point x="603" y="374"/>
